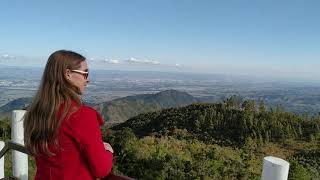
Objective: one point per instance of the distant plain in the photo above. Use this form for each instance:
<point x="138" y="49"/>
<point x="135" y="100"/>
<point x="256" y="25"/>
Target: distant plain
<point x="105" y="85"/>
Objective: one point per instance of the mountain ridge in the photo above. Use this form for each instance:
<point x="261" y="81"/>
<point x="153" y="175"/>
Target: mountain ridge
<point x="119" y="110"/>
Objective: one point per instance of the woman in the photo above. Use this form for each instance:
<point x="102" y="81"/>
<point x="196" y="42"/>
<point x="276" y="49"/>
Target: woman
<point x="61" y="132"/>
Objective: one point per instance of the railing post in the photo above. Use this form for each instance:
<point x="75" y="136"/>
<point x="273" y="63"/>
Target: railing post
<point x="2" y="161"/>
<point x="19" y="160"/>
<point x="275" y="168"/>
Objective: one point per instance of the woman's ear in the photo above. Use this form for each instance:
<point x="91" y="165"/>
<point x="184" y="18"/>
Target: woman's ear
<point x="67" y="74"/>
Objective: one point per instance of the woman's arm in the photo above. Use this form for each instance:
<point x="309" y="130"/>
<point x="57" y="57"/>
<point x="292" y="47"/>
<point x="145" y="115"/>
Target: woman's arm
<point x="87" y="132"/>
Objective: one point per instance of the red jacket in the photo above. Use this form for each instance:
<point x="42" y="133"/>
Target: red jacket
<point x="81" y="153"/>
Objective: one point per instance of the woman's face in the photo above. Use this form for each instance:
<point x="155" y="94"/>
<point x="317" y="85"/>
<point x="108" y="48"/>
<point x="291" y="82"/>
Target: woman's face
<point x="79" y="77"/>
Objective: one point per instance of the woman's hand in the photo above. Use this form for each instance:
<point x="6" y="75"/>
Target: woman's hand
<point x="108" y="147"/>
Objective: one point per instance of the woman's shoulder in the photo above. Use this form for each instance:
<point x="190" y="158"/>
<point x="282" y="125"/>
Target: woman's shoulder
<point x="86" y="113"/>
<point x="87" y="109"/>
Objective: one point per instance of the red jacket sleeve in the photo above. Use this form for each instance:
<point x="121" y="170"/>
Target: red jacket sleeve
<point x="85" y="128"/>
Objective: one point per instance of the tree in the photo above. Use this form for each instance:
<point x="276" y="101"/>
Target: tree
<point x="262" y="106"/>
<point x="249" y="105"/>
<point x="5" y="128"/>
<point x="298" y="172"/>
<point x="279" y="108"/>
<point x="234" y="102"/>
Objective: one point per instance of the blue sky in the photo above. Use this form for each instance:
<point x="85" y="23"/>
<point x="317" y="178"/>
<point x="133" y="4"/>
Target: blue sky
<point x="263" y="37"/>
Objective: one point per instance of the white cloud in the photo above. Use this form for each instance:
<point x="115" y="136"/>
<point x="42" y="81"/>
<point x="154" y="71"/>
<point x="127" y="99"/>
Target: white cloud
<point x="6" y="56"/>
<point x="133" y="62"/>
<point x="112" y="61"/>
<point x="137" y="61"/>
<point x="151" y="62"/>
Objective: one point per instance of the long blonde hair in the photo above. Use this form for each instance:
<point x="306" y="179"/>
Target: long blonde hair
<point x="41" y="123"/>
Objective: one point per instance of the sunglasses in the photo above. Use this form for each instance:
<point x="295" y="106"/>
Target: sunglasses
<point x="85" y="74"/>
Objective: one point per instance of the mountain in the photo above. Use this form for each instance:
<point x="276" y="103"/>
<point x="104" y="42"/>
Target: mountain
<point x="19" y="103"/>
<point x="119" y="110"/>
<point x="220" y="123"/>
<point x="228" y="141"/>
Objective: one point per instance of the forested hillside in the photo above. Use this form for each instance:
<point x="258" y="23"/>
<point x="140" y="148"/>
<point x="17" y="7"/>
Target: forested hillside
<point x="226" y="140"/>
<point x="216" y="141"/>
<point x="19" y="103"/>
<point x="119" y="110"/>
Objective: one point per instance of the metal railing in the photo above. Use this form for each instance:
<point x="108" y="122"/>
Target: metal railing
<point x="20" y="153"/>
<point x="9" y="145"/>
<point x="12" y="146"/>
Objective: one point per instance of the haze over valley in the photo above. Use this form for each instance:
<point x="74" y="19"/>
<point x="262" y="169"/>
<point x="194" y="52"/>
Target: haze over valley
<point x="107" y="85"/>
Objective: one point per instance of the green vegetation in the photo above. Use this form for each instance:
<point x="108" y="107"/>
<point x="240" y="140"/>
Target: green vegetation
<point x="227" y="125"/>
<point x="5" y="129"/>
<point x="305" y="165"/>
<point x="211" y="141"/>
<point x="120" y="110"/>
<point x="215" y="141"/>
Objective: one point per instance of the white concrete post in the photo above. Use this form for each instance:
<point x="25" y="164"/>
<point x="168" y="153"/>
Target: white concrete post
<point x="1" y="161"/>
<point x="275" y="168"/>
<point x="19" y="160"/>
